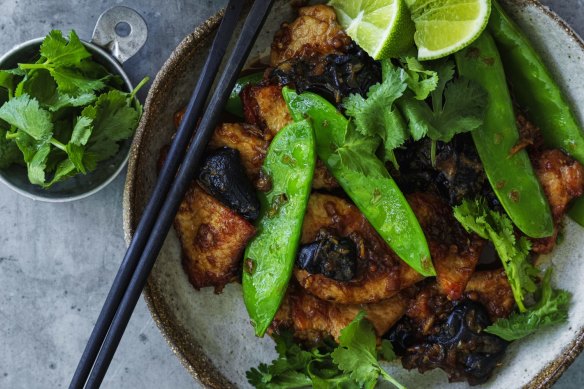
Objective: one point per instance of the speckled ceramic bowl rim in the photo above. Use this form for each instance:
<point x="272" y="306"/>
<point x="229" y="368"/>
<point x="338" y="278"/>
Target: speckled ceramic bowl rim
<point x="198" y="365"/>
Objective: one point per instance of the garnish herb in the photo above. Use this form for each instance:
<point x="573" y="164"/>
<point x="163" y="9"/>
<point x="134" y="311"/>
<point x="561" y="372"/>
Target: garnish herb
<point x="354" y="363"/>
<point x="65" y="113"/>
<point x="475" y="216"/>
<point x="458" y="106"/>
<point x="377" y="116"/>
<point x="551" y="308"/>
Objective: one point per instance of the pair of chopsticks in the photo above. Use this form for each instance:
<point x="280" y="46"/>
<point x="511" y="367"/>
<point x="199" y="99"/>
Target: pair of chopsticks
<point x="174" y="180"/>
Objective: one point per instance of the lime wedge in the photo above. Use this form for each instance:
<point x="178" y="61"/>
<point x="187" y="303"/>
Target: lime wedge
<point x="444" y="27"/>
<point x="383" y="28"/>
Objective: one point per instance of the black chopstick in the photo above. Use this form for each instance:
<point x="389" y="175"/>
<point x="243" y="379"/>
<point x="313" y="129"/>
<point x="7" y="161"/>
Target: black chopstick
<point x="165" y="179"/>
<point x="154" y="240"/>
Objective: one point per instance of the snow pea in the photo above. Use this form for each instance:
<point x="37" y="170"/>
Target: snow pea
<point x="376" y="194"/>
<point x="234" y="105"/>
<point x="510" y="174"/>
<point x="537" y="92"/>
<point x="269" y="257"/>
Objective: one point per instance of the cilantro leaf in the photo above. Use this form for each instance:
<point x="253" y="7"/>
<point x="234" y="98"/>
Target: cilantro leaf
<point x="357" y="353"/>
<point x="72" y="81"/>
<point x="25" y="114"/>
<point x="498" y="228"/>
<point x="463" y="110"/>
<point x="419" y="80"/>
<point x="351" y="153"/>
<point x="351" y="364"/>
<point x="114" y="119"/>
<point x="445" y="71"/>
<point x="551" y="309"/>
<point x="37" y="165"/>
<point x="376" y="116"/>
<point x="63" y="100"/>
<point x="75" y="149"/>
<point x="59" y="52"/>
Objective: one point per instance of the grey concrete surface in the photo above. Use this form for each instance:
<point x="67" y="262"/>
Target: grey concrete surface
<point x="57" y="261"/>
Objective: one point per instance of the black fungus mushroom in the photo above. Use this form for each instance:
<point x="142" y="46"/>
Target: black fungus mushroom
<point x="333" y="257"/>
<point x="334" y="76"/>
<point x="222" y="175"/>
<point x="459" y="345"/>
<point x="457" y="174"/>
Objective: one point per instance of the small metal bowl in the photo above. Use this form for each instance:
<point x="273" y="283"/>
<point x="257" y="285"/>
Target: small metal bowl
<point x="110" y="50"/>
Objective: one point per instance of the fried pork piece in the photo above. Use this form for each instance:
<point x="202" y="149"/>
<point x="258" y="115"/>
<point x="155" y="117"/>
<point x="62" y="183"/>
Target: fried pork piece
<point x="455" y="253"/>
<point x="265" y="107"/>
<point x="212" y="237"/>
<point x="323" y="179"/>
<point x="245" y="138"/>
<point x="314" y="32"/>
<point x="562" y="179"/>
<point x="381" y="273"/>
<point x="313" y="319"/>
<point x="490" y="288"/>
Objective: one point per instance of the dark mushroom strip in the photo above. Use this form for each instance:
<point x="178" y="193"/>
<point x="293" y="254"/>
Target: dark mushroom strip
<point x="333" y="257"/>
<point x="222" y="175"/>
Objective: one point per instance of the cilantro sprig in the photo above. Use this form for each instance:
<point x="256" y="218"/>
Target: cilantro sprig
<point x="63" y="114"/>
<point x="397" y="109"/>
<point x="352" y="363"/>
<point x="552" y="306"/>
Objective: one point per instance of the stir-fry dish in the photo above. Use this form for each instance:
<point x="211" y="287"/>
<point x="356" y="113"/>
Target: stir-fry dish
<point x="376" y="204"/>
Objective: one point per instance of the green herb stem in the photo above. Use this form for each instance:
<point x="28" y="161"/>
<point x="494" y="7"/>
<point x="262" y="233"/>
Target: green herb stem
<point x="32" y="65"/>
<point x="11" y="135"/>
<point x="389" y="378"/>
<point x="58" y="144"/>
<point x="139" y="86"/>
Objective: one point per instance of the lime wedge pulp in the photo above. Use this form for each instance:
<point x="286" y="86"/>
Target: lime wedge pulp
<point x="383" y="28"/>
<point x="444" y="27"/>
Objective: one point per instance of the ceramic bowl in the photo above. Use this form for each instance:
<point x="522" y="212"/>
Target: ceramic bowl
<point x="211" y="334"/>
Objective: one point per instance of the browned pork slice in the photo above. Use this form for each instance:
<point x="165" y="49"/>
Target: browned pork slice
<point x="315" y="32"/>
<point x="562" y="179"/>
<point x="312" y="319"/>
<point x="212" y="237"/>
<point x="455" y="253"/>
<point x="265" y="107"/>
<point x="380" y="272"/>
<point x="431" y="306"/>
<point x="245" y="138"/>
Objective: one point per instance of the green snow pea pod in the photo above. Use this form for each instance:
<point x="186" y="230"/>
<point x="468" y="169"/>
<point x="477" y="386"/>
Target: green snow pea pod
<point x="269" y="257"/>
<point x="376" y="194"/>
<point x="234" y="105"/>
<point x="511" y="175"/>
<point x="537" y="91"/>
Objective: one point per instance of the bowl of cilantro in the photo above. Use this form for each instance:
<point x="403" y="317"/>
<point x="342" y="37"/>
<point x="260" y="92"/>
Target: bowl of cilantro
<point x="68" y="110"/>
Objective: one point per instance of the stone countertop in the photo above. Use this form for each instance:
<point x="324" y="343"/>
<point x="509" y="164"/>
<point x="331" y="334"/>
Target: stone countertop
<point x="57" y="261"/>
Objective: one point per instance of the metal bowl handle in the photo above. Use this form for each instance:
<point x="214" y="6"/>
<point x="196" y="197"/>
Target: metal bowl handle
<point x="120" y="47"/>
